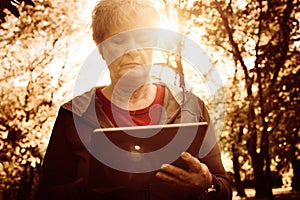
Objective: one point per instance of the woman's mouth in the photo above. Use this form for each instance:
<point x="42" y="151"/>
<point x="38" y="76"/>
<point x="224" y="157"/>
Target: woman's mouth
<point x="130" y="65"/>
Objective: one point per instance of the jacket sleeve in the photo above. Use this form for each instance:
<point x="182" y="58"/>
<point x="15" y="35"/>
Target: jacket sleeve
<point x="62" y="175"/>
<point x="211" y="156"/>
<point x="222" y="184"/>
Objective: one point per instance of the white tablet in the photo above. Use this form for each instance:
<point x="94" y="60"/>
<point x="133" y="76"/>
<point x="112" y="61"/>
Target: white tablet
<point x="134" y="154"/>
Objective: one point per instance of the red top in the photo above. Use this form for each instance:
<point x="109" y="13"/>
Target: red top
<point x="146" y="116"/>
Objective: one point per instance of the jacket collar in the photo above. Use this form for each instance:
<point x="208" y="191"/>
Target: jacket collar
<point x="85" y="106"/>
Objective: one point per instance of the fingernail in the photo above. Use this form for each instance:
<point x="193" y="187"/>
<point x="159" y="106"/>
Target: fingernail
<point x="158" y="174"/>
<point x="184" y="154"/>
<point x="164" y="166"/>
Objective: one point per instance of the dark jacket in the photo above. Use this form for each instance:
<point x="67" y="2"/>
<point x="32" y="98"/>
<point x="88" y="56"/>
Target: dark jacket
<point x="65" y="168"/>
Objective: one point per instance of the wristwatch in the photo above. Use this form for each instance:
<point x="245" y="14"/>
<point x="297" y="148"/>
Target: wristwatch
<point x="209" y="192"/>
<point x="213" y="187"/>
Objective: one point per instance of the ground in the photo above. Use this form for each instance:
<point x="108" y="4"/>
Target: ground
<point x="279" y="194"/>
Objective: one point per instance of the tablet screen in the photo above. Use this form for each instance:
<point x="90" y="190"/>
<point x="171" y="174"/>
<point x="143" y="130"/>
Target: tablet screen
<point x="134" y="154"/>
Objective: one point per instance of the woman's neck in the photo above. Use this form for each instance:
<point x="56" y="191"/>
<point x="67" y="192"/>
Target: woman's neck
<point x="131" y="99"/>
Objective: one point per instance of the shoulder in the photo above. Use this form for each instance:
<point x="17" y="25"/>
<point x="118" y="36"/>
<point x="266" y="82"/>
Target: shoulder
<point x="184" y="103"/>
<point x="79" y="104"/>
<point x="180" y="95"/>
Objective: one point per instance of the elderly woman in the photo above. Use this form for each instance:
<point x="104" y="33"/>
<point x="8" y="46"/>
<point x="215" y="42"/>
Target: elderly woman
<point x="129" y="100"/>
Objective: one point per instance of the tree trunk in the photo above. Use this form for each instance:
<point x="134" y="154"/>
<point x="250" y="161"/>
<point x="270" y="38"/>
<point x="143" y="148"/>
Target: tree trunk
<point x="295" y="163"/>
<point x="260" y="179"/>
<point x="266" y="157"/>
<point x="236" y="168"/>
<point x="296" y="177"/>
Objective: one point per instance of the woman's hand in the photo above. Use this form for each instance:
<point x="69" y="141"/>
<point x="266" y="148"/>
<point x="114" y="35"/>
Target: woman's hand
<point x="196" y="180"/>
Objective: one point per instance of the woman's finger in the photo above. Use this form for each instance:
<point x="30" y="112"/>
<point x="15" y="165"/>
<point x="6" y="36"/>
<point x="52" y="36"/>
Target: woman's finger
<point x="192" y="162"/>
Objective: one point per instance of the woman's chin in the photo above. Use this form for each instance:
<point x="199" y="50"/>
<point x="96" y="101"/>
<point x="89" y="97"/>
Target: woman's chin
<point x="133" y="77"/>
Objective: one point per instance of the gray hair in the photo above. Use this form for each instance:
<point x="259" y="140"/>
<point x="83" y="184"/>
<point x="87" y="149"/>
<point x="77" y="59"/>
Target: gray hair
<point x="109" y="14"/>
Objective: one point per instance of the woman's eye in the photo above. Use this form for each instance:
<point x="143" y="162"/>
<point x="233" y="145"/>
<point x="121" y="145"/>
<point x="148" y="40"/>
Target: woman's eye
<point x="146" y="39"/>
<point x="142" y="38"/>
<point x="118" y="40"/>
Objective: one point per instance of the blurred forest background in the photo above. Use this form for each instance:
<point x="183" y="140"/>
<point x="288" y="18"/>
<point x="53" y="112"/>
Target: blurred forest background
<point x="255" y="44"/>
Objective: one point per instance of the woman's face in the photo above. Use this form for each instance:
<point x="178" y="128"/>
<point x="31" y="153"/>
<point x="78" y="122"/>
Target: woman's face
<point x="125" y="52"/>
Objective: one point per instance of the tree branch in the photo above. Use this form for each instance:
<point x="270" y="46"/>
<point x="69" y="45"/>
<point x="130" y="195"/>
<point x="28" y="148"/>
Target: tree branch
<point x="236" y="52"/>
<point x="285" y="30"/>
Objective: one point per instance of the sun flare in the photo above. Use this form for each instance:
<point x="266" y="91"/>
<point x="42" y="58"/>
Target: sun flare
<point x="170" y="25"/>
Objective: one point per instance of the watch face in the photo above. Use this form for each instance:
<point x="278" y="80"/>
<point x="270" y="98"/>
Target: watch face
<point x="211" y="189"/>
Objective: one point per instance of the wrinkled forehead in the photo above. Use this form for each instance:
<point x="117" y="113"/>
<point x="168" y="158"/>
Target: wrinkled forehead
<point x="129" y="25"/>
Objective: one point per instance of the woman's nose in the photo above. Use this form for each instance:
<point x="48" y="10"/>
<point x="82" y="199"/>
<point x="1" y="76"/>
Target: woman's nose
<point x="131" y="47"/>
